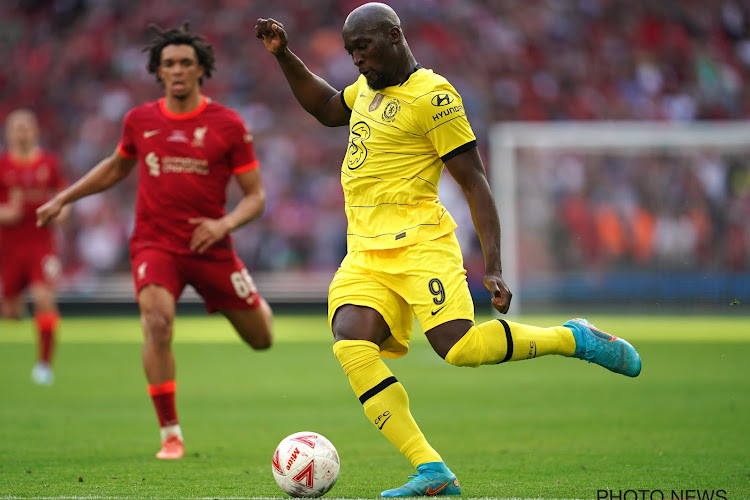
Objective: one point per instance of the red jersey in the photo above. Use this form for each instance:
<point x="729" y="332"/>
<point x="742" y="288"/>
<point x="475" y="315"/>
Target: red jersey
<point x="37" y="180"/>
<point x="185" y="163"/>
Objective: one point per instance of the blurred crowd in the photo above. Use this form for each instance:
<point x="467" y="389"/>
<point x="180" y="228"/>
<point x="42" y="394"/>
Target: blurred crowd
<point x="626" y="210"/>
<point x="79" y="65"/>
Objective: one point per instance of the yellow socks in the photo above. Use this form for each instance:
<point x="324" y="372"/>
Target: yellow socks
<point x="384" y="399"/>
<point x="498" y="341"/>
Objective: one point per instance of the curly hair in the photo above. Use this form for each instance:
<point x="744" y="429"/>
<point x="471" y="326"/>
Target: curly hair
<point x="179" y="36"/>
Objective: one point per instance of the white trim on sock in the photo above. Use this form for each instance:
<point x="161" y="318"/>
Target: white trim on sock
<point x="168" y="430"/>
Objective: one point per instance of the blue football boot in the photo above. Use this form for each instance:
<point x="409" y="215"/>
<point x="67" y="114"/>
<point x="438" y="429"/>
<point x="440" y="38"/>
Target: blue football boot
<point x="431" y="479"/>
<point x="595" y="346"/>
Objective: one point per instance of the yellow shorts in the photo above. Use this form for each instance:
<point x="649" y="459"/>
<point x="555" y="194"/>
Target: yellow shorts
<point x="426" y="280"/>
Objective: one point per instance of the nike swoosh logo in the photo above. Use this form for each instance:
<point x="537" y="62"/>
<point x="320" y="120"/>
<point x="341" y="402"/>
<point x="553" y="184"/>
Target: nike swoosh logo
<point x="384" y="421"/>
<point x="437" y="490"/>
<point x="150" y="133"/>
<point x="437" y="310"/>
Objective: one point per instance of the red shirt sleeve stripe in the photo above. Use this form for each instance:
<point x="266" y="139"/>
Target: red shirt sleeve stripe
<point x="244" y="168"/>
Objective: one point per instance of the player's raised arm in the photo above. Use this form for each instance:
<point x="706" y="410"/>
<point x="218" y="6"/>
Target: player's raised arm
<point x="104" y="175"/>
<point x="313" y="93"/>
<point x="468" y="170"/>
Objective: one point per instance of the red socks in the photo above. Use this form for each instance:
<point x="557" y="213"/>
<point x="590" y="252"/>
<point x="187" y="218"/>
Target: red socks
<point x="46" y="323"/>
<point x="163" y="397"/>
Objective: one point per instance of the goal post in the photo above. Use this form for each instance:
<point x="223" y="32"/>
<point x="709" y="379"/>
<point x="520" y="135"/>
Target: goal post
<point x="534" y="165"/>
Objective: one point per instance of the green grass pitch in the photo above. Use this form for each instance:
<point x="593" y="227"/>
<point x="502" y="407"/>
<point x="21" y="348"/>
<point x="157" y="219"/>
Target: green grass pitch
<point x="549" y="428"/>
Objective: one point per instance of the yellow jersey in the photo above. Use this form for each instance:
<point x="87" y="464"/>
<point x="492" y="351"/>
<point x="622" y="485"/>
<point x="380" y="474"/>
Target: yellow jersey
<point x="399" y="139"/>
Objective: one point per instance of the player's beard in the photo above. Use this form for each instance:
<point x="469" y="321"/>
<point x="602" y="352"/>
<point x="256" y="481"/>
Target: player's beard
<point x="382" y="81"/>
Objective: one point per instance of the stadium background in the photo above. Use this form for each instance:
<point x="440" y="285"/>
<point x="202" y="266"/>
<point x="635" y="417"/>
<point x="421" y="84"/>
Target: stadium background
<point x="550" y="428"/>
<point x="79" y="65"/>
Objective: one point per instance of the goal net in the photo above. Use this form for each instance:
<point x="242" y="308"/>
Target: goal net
<point x="624" y="213"/>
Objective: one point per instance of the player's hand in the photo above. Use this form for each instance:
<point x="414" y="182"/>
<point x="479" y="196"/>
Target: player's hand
<point x="273" y="35"/>
<point x="501" y="294"/>
<point x="47" y="212"/>
<point x="206" y="233"/>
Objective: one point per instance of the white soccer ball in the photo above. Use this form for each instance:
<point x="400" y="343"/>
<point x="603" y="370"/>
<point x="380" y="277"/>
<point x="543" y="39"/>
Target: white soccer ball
<point x="305" y="464"/>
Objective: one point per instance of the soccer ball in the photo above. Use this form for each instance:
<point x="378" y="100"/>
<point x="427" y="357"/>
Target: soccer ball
<point x="305" y="464"/>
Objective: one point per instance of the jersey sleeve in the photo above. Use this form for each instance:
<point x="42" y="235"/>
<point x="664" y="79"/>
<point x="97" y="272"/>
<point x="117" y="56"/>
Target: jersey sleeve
<point x="241" y="150"/>
<point x="442" y="118"/>
<point x="349" y="94"/>
<point x="126" y="147"/>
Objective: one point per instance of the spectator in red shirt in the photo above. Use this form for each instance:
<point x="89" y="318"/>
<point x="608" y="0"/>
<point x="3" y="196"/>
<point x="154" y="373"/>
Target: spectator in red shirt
<point x="187" y="148"/>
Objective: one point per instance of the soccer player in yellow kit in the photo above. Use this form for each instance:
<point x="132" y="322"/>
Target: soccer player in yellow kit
<point x="403" y="259"/>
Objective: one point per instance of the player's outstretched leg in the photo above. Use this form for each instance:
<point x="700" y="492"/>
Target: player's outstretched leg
<point x="431" y="479"/>
<point x="595" y="346"/>
<point x="498" y="341"/>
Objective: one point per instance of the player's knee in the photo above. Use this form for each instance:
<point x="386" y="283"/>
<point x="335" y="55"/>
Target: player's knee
<point x="262" y="346"/>
<point x="354" y="355"/>
<point x="256" y="326"/>
<point x="468" y="351"/>
<point x="461" y="358"/>
<point x="157" y="326"/>
<point x="261" y="341"/>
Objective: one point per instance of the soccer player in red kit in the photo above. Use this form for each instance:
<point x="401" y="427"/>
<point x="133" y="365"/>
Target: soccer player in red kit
<point x="187" y="148"/>
<point x="29" y="176"/>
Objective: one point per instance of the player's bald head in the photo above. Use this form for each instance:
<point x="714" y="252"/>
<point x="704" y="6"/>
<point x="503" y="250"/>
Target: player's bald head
<point x="372" y="17"/>
<point x="373" y="37"/>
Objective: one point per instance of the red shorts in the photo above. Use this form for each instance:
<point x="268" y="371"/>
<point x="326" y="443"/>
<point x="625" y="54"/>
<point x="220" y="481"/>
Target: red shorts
<point x="26" y="265"/>
<point x="224" y="284"/>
